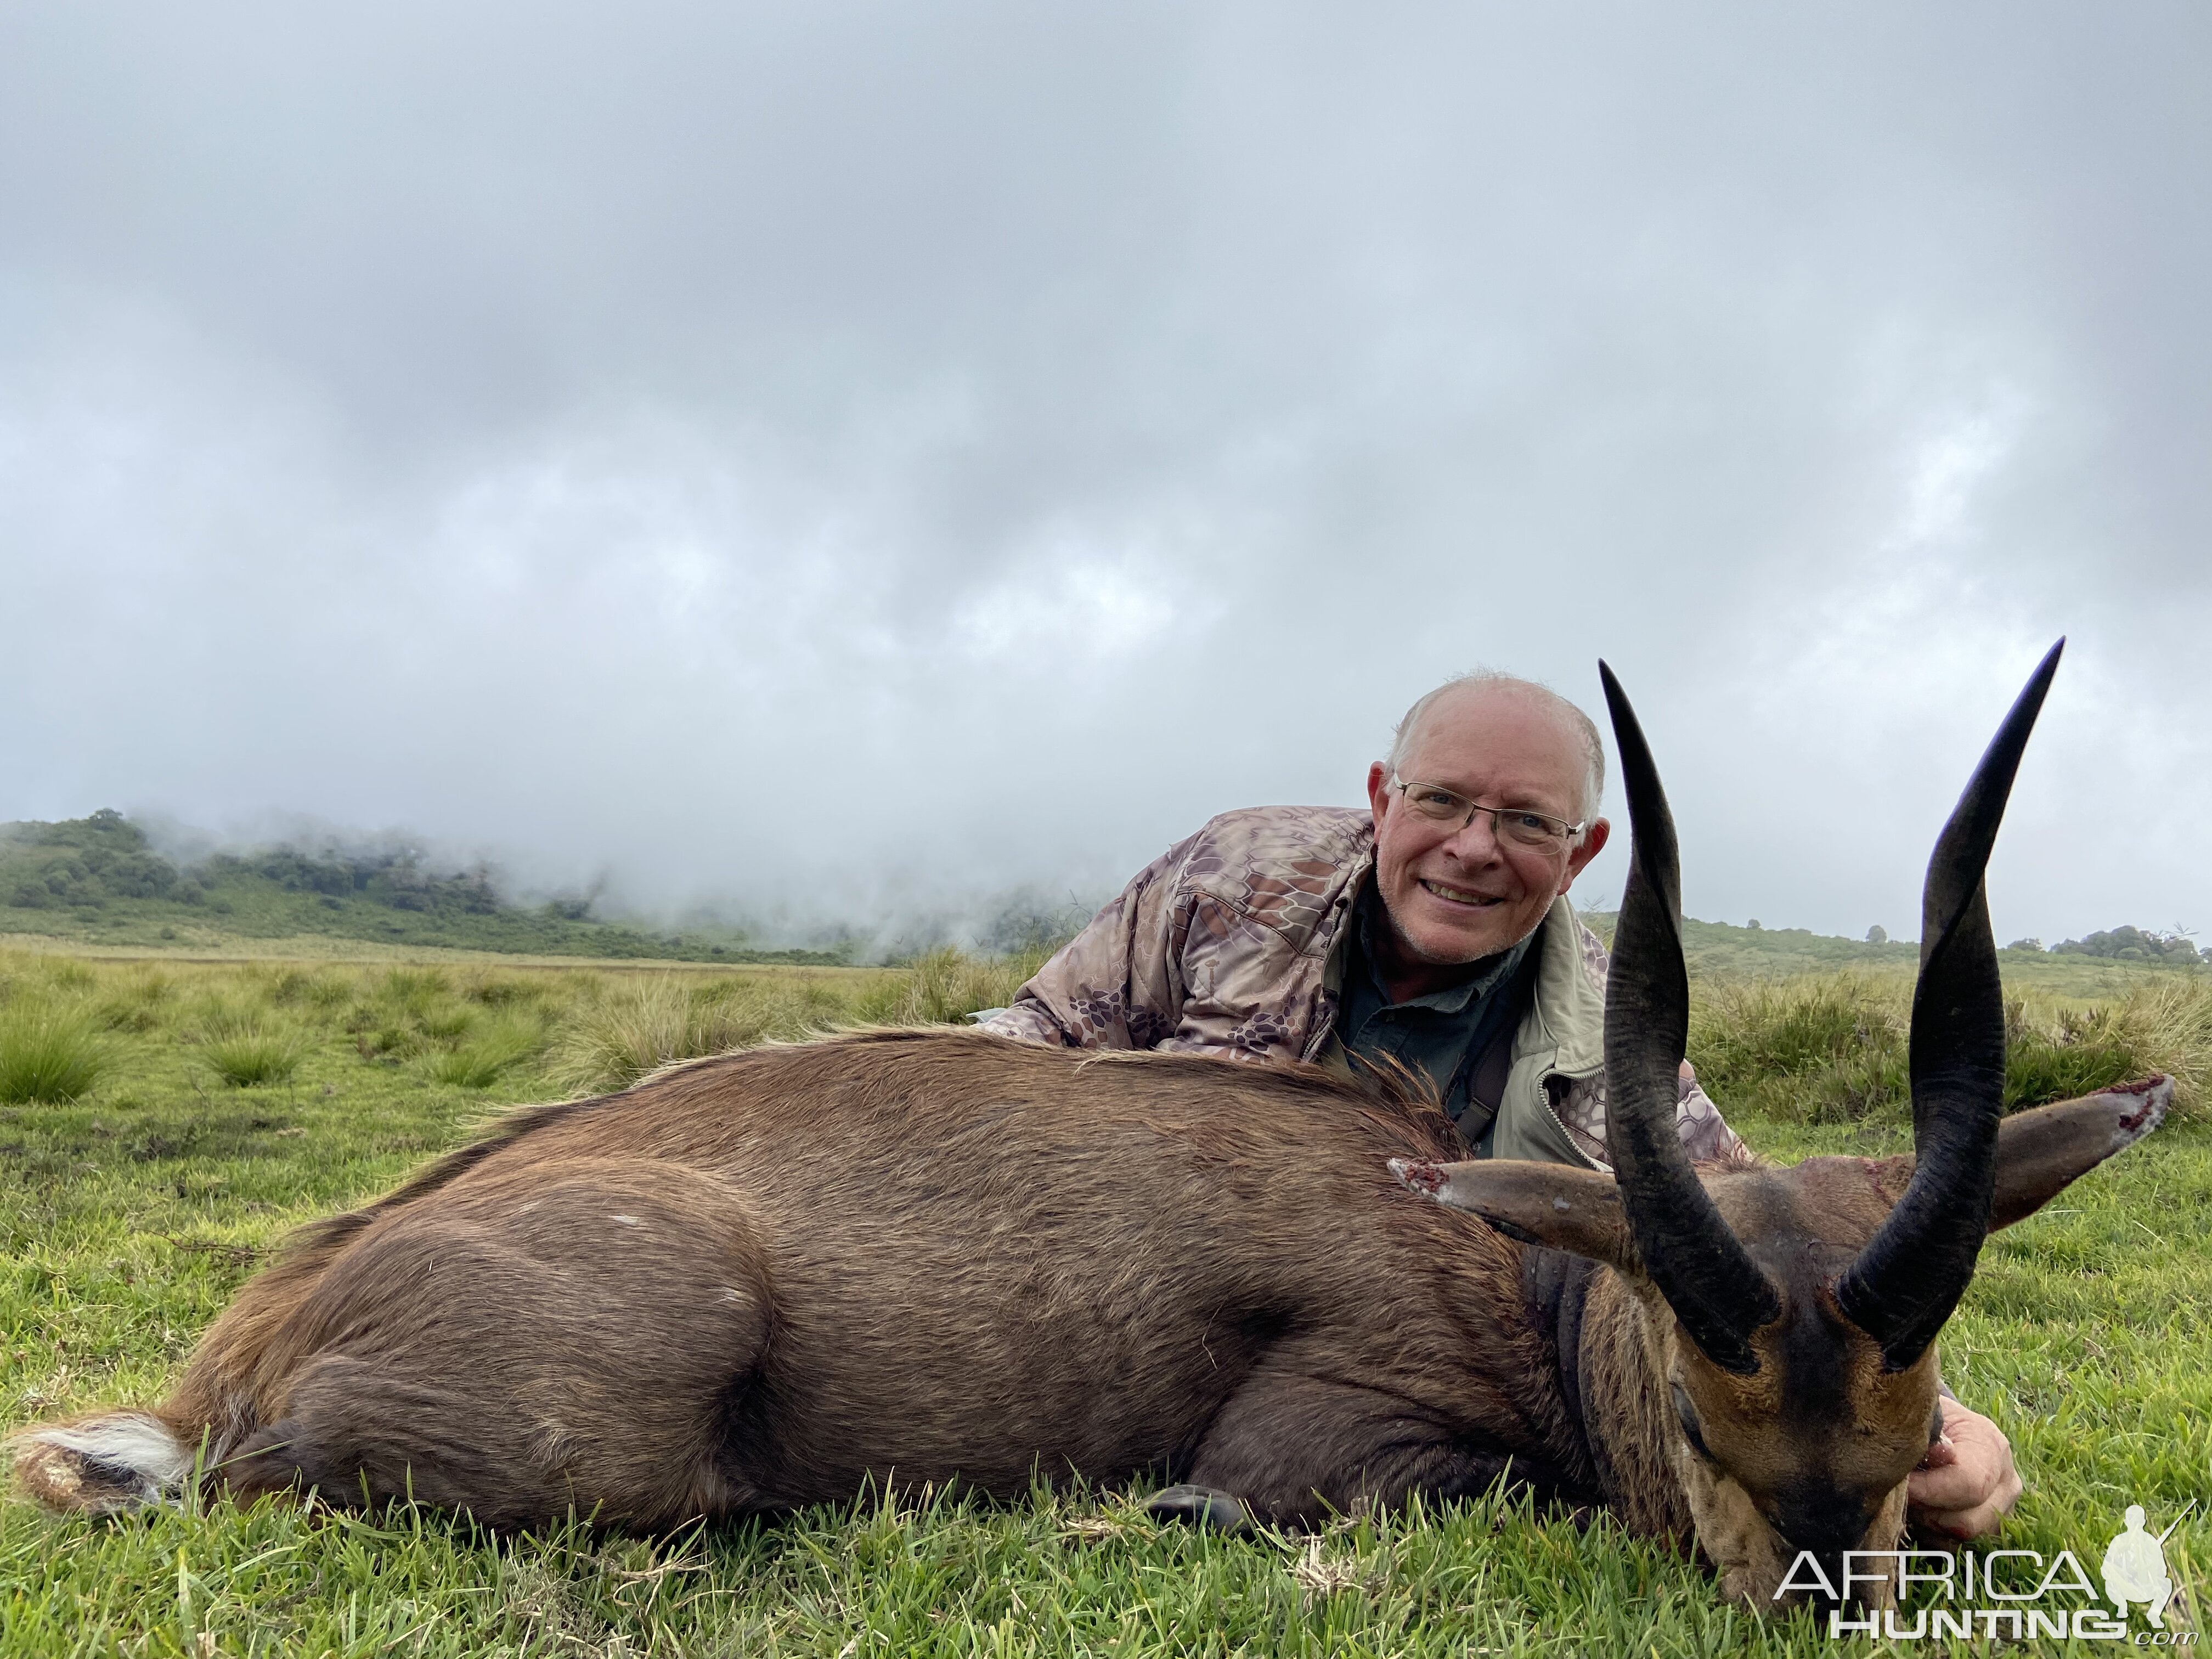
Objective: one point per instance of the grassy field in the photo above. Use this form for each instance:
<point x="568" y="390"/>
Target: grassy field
<point x="210" y="1107"/>
<point x="1719" y="950"/>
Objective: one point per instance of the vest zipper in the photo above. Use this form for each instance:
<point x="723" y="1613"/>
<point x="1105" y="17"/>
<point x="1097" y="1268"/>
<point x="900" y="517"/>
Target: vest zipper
<point x="1544" y="1089"/>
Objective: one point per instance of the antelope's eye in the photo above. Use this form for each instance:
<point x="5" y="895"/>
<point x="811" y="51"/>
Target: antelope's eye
<point x="1688" y="1413"/>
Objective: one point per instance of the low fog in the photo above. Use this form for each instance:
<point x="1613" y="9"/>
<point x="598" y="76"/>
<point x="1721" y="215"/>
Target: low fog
<point x="838" y="463"/>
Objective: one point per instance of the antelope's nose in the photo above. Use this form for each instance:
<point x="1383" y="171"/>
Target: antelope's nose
<point x="1823" y="1518"/>
<point x="1825" y="1521"/>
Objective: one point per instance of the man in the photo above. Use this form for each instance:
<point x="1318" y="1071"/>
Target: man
<point x="1431" y="932"/>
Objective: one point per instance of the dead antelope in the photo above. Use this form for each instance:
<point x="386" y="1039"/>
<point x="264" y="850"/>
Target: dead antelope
<point x="755" y="1282"/>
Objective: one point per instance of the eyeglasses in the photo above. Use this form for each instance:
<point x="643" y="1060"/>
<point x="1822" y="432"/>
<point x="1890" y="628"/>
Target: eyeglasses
<point x="1514" y="826"/>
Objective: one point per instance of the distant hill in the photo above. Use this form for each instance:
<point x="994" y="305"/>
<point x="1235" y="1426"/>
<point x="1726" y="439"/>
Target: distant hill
<point x="1758" y="952"/>
<point x="98" y="879"/>
<point x="1719" y="950"/>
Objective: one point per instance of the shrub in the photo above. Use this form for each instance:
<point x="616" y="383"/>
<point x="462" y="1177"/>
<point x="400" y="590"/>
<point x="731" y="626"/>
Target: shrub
<point x="2132" y="945"/>
<point x="48" y="1053"/>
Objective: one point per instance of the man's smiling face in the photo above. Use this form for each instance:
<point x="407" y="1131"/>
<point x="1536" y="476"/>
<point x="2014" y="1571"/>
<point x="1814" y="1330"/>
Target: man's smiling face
<point x="1455" y="895"/>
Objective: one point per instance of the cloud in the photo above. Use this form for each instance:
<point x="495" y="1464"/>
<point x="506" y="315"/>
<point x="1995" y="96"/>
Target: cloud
<point x="851" y="464"/>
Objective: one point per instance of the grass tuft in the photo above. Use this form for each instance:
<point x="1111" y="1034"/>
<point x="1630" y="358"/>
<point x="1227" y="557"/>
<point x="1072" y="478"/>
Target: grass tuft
<point x="67" y="974"/>
<point x="250" y="1048"/>
<point x="633" y="1028"/>
<point x="488" y="1053"/>
<point x="944" y="986"/>
<point x="48" y="1053"/>
<point x="2166" y="1024"/>
<point x="641" y="1025"/>
<point x="1825" y="1050"/>
<point x="413" y="990"/>
<point x="301" y="987"/>
<point x="444" y="1022"/>
<point x="139" y="1004"/>
<point x="1833" y="1048"/>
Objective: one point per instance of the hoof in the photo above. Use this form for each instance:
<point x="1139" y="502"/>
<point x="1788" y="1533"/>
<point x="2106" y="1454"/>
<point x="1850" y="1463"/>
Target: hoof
<point x="1201" y="1506"/>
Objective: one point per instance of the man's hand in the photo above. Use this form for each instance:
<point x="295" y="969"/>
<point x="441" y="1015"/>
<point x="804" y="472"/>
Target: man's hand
<point x="1966" y="1482"/>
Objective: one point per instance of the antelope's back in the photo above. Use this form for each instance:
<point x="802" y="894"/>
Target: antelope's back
<point x="981" y="1255"/>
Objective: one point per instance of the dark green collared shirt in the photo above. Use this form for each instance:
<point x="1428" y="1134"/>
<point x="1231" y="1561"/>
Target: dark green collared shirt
<point x="1445" y="1035"/>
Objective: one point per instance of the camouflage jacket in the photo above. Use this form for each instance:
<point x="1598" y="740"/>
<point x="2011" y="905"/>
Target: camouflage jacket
<point x="1233" y="941"/>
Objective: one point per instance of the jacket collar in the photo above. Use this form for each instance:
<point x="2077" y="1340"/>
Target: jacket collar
<point x="1568" y="1015"/>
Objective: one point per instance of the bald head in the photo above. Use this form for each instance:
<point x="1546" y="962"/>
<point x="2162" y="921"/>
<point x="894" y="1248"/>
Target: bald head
<point x="1456" y="889"/>
<point x="1464" y="699"/>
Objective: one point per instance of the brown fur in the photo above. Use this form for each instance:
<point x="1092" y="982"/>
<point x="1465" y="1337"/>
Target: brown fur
<point x="756" y="1282"/>
<point x="1811" y="1450"/>
<point x="909" y="1252"/>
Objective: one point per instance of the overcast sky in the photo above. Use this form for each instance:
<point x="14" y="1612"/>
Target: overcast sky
<point x="852" y="459"/>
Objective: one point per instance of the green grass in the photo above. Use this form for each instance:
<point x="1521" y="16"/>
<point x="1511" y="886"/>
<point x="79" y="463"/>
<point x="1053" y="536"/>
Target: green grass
<point x="1832" y="1048"/>
<point x="129" y="1216"/>
<point x="48" y="1053"/>
<point x="490" y="1051"/>
<point x="1721" y="951"/>
<point x="250" y="1046"/>
<point x="629" y="1028"/>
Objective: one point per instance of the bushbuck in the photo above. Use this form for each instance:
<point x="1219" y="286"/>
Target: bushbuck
<point x="758" y="1281"/>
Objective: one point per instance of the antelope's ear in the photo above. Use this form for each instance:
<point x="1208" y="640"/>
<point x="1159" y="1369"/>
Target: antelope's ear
<point x="2041" y="1152"/>
<point x="1550" y="1204"/>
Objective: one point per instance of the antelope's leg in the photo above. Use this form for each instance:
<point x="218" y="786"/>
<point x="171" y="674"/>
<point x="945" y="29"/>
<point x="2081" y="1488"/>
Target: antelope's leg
<point x="582" y="1341"/>
<point x="1297" y="1447"/>
<point x="356" y="1432"/>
